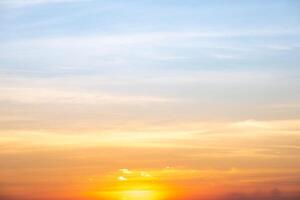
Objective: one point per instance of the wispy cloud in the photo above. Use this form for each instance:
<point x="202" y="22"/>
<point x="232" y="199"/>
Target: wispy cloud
<point x="91" y="51"/>
<point x="226" y="56"/>
<point x="43" y="95"/>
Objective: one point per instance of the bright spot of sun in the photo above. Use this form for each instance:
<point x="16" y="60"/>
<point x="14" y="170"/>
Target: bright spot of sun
<point x="133" y="185"/>
<point x="139" y="195"/>
<point x="133" y="194"/>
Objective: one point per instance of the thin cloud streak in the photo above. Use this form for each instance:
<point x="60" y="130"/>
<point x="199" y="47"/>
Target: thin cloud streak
<point x="94" y="51"/>
<point x="42" y="95"/>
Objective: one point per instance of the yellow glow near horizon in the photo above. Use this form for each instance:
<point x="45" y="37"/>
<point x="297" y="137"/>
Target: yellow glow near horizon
<point x="128" y="184"/>
<point x="134" y="193"/>
<point x="137" y="194"/>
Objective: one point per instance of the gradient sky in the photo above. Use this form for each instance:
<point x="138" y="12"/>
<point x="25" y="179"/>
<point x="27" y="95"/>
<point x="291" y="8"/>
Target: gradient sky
<point x="149" y="99"/>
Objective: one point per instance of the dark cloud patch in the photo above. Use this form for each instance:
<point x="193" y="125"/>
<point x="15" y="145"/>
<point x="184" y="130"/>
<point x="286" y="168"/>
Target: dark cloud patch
<point x="273" y="194"/>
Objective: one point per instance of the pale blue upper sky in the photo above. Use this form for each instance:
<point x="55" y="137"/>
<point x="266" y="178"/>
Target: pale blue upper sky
<point x="207" y="59"/>
<point x="248" y="33"/>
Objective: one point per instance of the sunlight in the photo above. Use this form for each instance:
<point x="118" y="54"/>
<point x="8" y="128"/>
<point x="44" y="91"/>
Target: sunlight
<point x="139" y="194"/>
<point x="126" y="184"/>
<point x="133" y="194"/>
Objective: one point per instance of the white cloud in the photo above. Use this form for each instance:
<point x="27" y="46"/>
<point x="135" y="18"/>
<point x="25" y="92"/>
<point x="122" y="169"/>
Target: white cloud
<point x="125" y="171"/>
<point x="122" y="178"/>
<point x="280" y="47"/>
<point x="145" y="174"/>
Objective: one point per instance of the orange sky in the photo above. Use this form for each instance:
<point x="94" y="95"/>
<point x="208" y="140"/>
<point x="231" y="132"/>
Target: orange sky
<point x="207" y="160"/>
<point x="149" y="100"/>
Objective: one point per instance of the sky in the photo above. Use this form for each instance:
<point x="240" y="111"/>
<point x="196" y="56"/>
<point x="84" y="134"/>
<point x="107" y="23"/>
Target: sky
<point x="149" y="100"/>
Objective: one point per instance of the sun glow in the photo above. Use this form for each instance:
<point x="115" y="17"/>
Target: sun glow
<point x="137" y="194"/>
<point x="128" y="184"/>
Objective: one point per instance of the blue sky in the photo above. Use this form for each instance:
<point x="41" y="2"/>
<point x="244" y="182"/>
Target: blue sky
<point x="207" y="59"/>
<point x="96" y="16"/>
<point x="248" y="33"/>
